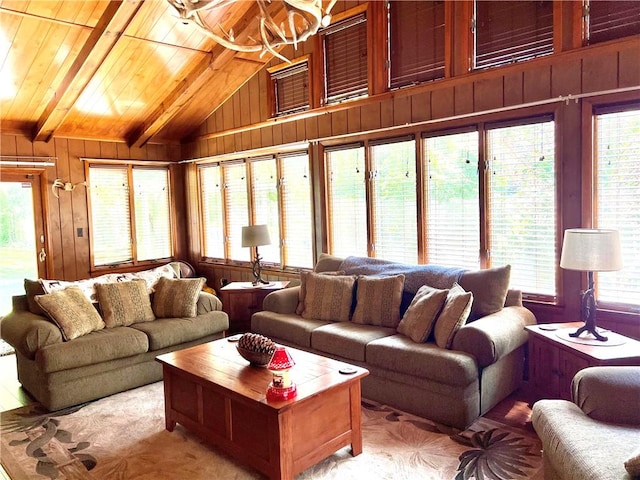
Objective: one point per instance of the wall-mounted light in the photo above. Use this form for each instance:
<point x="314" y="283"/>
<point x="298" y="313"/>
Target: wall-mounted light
<point x="59" y="184"/>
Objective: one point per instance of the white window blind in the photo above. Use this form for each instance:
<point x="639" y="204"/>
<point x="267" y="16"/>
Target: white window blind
<point x="212" y="218"/>
<point x="295" y="189"/>
<point x="236" y="209"/>
<point x="522" y="204"/>
<point x="347" y="202"/>
<point x="110" y="215"/>
<point x="152" y="213"/>
<point x="452" y="199"/>
<point x="617" y="163"/>
<point x="264" y="189"/>
<point x="394" y="201"/>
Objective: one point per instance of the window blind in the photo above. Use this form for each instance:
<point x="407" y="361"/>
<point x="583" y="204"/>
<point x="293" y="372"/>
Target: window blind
<point x="416" y="32"/>
<point x="264" y="188"/>
<point x="347" y="202"/>
<point x="110" y="215"/>
<point x="522" y="205"/>
<point x="152" y="213"/>
<point x="345" y="54"/>
<point x="608" y="20"/>
<point x="212" y="212"/>
<point x="507" y="32"/>
<point x="295" y="190"/>
<point x="617" y="150"/>
<point x="452" y="199"/>
<point x="292" y="89"/>
<point x="236" y="210"/>
<point x="395" y="229"/>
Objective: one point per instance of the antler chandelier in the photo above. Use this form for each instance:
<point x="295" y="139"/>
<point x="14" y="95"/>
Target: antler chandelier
<point x="308" y="14"/>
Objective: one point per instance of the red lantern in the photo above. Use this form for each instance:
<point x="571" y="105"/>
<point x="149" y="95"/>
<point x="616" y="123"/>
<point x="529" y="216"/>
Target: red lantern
<point x="281" y="387"/>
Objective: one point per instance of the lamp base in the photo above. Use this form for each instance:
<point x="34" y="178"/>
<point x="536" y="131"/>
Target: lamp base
<point x="281" y="393"/>
<point x="589" y="313"/>
<point x="590" y="329"/>
<point x="256" y="269"/>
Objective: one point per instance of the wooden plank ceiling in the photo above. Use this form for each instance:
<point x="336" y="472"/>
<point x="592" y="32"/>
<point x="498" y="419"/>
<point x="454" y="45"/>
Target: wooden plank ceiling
<point x="115" y="70"/>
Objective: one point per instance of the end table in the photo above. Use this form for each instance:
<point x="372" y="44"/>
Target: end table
<point x="240" y="300"/>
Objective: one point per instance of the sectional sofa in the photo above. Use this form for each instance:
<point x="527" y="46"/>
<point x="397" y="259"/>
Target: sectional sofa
<point x="448" y="356"/>
<point x="84" y="340"/>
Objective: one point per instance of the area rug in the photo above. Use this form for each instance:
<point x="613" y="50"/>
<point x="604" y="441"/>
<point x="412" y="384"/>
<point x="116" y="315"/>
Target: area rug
<point x="124" y="437"/>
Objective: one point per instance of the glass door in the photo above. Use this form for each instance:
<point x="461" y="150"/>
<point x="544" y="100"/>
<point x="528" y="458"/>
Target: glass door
<point x="22" y="238"/>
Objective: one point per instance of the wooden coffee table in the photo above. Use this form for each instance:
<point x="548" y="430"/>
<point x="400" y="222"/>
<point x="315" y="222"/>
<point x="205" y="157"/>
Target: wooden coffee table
<point x="211" y="390"/>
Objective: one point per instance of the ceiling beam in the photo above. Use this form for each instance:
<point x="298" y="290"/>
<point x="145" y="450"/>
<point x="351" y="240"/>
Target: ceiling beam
<point x="110" y="27"/>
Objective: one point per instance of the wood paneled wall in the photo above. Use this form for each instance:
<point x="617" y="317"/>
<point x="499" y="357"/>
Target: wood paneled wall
<point x="68" y="213"/>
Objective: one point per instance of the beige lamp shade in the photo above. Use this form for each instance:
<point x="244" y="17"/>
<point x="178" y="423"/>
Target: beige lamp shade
<point x="591" y="250"/>
<point x="255" y="235"/>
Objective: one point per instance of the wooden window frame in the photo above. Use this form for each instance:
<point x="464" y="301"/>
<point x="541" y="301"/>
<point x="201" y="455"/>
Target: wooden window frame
<point x="272" y="96"/>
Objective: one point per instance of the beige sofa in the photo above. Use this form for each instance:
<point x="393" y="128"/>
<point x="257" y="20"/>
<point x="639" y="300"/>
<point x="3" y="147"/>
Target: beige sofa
<point x="482" y="365"/>
<point x="592" y="437"/>
<point x="60" y="371"/>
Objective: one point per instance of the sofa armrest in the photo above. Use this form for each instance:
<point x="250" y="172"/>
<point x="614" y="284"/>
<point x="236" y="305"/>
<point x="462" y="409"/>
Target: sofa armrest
<point x="282" y="301"/>
<point x="28" y="332"/>
<point x="608" y="394"/>
<point x="494" y="336"/>
<point x="207" y="302"/>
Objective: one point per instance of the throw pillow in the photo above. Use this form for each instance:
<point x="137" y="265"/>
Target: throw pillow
<point x="632" y="464"/>
<point x="455" y="312"/>
<point x="378" y="300"/>
<point x="328" y="297"/>
<point x="124" y="303"/>
<point x="71" y="311"/>
<point x="421" y="315"/>
<point x="302" y="291"/>
<point x="33" y="288"/>
<point x="176" y="297"/>
<point x="489" y="288"/>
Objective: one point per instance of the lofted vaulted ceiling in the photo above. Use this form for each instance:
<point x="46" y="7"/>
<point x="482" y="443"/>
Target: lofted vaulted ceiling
<point x="116" y="70"/>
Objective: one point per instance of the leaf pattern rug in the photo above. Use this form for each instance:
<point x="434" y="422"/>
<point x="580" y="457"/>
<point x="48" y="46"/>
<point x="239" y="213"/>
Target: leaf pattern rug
<point x="124" y="437"/>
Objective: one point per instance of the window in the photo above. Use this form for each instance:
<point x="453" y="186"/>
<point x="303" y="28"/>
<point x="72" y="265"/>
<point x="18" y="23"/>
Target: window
<point x="275" y="191"/>
<point x="416" y="32"/>
<point x="291" y="88"/>
<point x="393" y="185"/>
<point x="611" y="19"/>
<point x="347" y="201"/>
<point x="522" y="204"/>
<point x="119" y="234"/>
<point x="345" y="59"/>
<point x="452" y="199"/>
<point x="617" y="197"/>
<point x="507" y="32"/>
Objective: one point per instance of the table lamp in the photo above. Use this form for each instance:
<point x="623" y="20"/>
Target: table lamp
<point x="255" y="236"/>
<point x="590" y="250"/>
<point x="281" y="387"/>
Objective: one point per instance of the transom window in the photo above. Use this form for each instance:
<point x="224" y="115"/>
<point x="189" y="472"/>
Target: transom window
<point x="291" y="88"/>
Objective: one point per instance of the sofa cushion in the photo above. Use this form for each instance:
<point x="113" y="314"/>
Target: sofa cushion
<point x="453" y="315"/>
<point x="286" y="327"/>
<point x="489" y="288"/>
<point x="96" y="347"/>
<point x="33" y="288"/>
<point x="424" y="360"/>
<point x="378" y="300"/>
<point x="124" y="303"/>
<point x="302" y="291"/>
<point x="347" y="340"/>
<point x="176" y="297"/>
<point x="327" y="297"/>
<point x="72" y="311"/>
<point x="167" y="332"/>
<point x="421" y="315"/>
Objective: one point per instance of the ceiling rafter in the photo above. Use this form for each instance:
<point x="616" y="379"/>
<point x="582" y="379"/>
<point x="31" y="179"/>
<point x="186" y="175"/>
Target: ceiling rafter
<point x="112" y="24"/>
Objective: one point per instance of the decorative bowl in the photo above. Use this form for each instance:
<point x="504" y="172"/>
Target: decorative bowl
<point x="260" y="359"/>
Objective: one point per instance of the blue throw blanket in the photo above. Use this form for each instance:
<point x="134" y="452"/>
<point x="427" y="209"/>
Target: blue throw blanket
<point x="415" y="276"/>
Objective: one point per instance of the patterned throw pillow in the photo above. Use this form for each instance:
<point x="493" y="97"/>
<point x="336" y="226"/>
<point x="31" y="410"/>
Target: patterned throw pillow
<point x="454" y="314"/>
<point x="71" y="311"/>
<point x="328" y="297"/>
<point x="124" y="303"/>
<point x="176" y="298"/>
<point x="302" y="291"/>
<point x="378" y="300"/>
<point x="421" y="315"/>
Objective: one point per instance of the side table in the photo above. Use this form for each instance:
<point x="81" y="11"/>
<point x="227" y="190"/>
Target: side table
<point x="240" y="300"/>
<point x="554" y="358"/>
